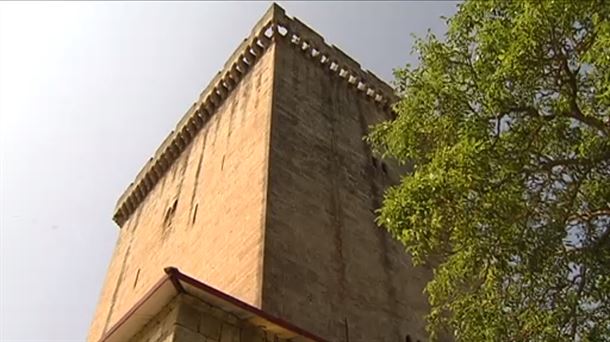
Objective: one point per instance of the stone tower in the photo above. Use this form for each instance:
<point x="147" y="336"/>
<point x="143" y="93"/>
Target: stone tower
<point x="266" y="191"/>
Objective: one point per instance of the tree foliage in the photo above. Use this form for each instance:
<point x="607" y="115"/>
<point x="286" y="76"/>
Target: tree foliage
<point x="506" y="120"/>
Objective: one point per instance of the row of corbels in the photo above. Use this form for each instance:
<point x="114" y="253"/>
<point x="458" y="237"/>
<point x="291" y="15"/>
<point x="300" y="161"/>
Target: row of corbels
<point x="335" y="61"/>
<point x="239" y="64"/>
<point x="211" y="99"/>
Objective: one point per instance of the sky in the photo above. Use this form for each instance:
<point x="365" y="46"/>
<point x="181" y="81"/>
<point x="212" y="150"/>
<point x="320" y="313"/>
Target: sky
<point x="88" y="91"/>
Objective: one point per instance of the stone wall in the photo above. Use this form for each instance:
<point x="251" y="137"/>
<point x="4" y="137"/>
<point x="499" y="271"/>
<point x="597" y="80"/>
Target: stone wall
<point x="205" y="215"/>
<point x="328" y="268"/>
<point x="188" y="319"/>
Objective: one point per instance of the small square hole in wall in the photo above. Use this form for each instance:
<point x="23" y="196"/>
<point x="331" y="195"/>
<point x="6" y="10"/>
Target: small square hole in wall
<point x="282" y="30"/>
<point x="269" y="32"/>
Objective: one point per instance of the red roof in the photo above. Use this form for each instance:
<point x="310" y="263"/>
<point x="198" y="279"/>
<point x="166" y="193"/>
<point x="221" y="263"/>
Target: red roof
<point x="174" y="283"/>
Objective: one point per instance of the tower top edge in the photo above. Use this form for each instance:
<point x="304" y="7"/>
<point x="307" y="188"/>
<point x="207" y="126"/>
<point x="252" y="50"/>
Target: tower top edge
<point x="273" y="25"/>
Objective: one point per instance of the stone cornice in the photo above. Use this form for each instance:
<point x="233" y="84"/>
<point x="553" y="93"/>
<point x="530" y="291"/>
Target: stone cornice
<point x="275" y="24"/>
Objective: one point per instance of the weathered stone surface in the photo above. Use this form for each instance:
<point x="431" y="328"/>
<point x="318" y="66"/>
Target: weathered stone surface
<point x="188" y="317"/>
<point x="182" y="334"/>
<point x="230" y="333"/>
<point x="327" y="267"/>
<point x="210" y="326"/>
<point x="252" y="334"/>
<point x="223" y="172"/>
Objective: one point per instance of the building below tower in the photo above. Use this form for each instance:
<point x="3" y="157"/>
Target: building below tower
<point x="182" y="309"/>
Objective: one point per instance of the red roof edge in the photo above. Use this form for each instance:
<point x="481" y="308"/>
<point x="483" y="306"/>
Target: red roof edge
<point x="135" y="307"/>
<point x="174" y="275"/>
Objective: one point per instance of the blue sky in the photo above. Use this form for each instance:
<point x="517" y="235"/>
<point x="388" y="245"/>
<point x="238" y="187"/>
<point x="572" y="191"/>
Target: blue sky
<point x="89" y="90"/>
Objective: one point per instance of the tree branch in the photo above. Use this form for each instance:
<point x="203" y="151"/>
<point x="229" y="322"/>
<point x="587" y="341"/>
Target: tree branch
<point x="549" y="165"/>
<point x="573" y="313"/>
<point x="575" y="112"/>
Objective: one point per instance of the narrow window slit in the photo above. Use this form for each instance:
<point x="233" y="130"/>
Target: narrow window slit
<point x="195" y="214"/>
<point x="169" y="214"/>
<point x="135" y="282"/>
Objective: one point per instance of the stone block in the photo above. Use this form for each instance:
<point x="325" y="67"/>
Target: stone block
<point x="188" y="316"/>
<point x="210" y="326"/>
<point x="182" y="334"/>
<point x="229" y="333"/>
<point x="252" y="334"/>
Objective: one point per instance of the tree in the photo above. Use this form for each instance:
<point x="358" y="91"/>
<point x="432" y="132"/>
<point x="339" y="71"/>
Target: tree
<point x="506" y="122"/>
